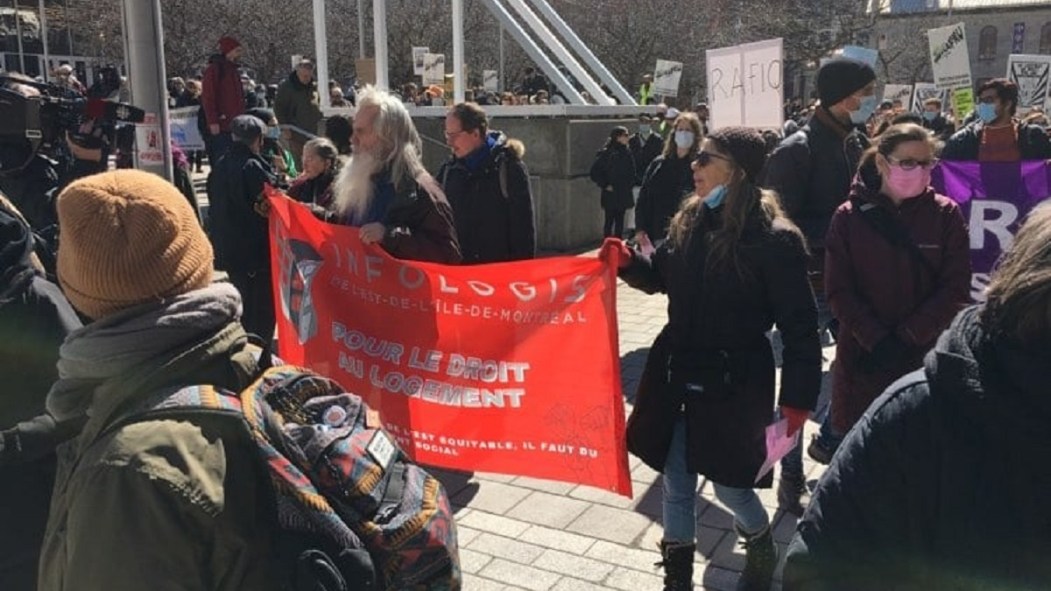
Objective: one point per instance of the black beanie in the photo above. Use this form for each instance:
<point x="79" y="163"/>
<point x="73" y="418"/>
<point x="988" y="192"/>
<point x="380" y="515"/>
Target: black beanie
<point x="745" y="145"/>
<point x="840" y="78"/>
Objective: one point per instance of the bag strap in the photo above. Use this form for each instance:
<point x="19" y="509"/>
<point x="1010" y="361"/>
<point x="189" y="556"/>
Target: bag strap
<point x="892" y="231"/>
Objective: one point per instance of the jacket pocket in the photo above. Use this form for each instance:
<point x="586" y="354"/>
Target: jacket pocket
<point x="703" y="375"/>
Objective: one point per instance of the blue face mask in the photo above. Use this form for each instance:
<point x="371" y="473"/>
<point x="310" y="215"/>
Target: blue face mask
<point x="715" y="197"/>
<point x="930" y="116"/>
<point x="865" y="110"/>
<point x="644" y="129"/>
<point x="273" y="133"/>
<point x="987" y="112"/>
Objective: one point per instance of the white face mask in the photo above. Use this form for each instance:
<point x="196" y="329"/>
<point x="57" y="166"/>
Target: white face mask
<point x="684" y="139"/>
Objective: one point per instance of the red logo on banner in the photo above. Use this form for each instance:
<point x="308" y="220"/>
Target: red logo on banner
<point x="510" y="368"/>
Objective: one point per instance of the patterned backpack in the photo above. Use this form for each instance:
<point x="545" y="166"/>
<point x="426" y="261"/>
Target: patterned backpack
<point x="354" y="512"/>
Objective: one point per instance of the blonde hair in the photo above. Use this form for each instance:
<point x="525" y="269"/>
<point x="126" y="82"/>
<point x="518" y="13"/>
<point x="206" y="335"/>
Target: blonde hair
<point x="1018" y="301"/>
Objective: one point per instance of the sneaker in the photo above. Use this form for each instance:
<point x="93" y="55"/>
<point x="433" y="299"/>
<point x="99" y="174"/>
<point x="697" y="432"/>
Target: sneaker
<point x="819" y="450"/>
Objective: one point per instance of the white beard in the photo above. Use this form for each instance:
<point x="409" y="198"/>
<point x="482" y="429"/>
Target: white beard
<point x="354" y="188"/>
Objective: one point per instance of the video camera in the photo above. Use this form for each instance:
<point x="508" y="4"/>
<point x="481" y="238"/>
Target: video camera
<point x="31" y="123"/>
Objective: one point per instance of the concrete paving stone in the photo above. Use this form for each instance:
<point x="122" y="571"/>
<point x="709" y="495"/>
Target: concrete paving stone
<point x="519" y="575"/>
<point x="547" y="509"/>
<point x="493" y="497"/>
<point x="548" y="486"/>
<point x="650" y="539"/>
<point x="610" y="499"/>
<point x="573" y="565"/>
<point x="557" y="539"/>
<point x="475" y="583"/>
<point x="714" y="578"/>
<point x="638" y="559"/>
<point x="495" y="524"/>
<point x="728" y="555"/>
<point x="464" y="535"/>
<point x="644" y="473"/>
<point x="713" y="514"/>
<point x="709" y="538"/>
<point x="569" y="584"/>
<point x="494" y="477"/>
<point x="506" y="548"/>
<point x="785" y="528"/>
<point x="460" y="511"/>
<point x="615" y="525"/>
<point x="633" y="462"/>
<point x="633" y="580"/>
<point x="471" y="561"/>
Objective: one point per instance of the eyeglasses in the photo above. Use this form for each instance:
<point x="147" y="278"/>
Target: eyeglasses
<point x="451" y="135"/>
<point x="705" y="158"/>
<point x="912" y="164"/>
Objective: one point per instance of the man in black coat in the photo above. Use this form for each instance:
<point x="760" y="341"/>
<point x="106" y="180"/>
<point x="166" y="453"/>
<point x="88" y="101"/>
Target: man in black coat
<point x="487" y="185"/>
<point x="645" y="146"/>
<point x="944" y="482"/>
<point x="996" y="136"/>
<point x="34" y="320"/>
<point x="238" y="223"/>
<point x="812" y="171"/>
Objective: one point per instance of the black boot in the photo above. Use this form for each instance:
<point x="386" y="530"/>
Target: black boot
<point x="790" y="489"/>
<point x="678" y="565"/>
<point x="760" y="561"/>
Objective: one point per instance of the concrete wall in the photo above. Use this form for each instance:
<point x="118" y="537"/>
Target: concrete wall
<point x="559" y="153"/>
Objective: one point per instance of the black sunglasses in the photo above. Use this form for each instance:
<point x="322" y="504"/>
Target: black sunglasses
<point x="705" y="158"/>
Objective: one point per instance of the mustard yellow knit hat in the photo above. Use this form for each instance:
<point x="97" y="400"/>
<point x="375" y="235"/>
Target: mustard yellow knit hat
<point x="127" y="238"/>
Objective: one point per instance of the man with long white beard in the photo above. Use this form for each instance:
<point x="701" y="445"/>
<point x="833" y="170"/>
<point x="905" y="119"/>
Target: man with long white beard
<point x="385" y="191"/>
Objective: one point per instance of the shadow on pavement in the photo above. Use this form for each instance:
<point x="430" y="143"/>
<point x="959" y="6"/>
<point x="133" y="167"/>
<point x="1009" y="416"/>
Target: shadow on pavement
<point x="457" y="484"/>
<point x="631" y="366"/>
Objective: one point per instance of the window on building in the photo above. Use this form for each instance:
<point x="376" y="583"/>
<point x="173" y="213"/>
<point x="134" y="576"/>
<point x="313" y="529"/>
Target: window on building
<point x="987" y="43"/>
<point x="1045" y="38"/>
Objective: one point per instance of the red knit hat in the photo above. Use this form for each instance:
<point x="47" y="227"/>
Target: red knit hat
<point x="228" y="44"/>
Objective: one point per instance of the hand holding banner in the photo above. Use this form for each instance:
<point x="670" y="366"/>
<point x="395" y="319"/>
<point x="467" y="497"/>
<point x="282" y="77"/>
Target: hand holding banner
<point x="509" y="368"/>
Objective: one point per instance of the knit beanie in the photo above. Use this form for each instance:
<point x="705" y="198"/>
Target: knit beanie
<point x="128" y="238"/>
<point x="228" y="44"/>
<point x="745" y="145"/>
<point x="840" y="78"/>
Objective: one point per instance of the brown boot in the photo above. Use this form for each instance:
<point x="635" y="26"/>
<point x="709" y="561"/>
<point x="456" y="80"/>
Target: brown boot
<point x="678" y="565"/>
<point x="760" y="561"/>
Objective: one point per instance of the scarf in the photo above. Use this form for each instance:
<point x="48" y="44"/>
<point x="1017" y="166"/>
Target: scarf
<point x="138" y="342"/>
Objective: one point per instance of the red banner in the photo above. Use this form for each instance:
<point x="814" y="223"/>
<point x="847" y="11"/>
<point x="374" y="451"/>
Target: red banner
<point x="510" y="368"/>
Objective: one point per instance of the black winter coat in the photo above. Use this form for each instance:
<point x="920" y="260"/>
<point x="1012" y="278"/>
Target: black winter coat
<point x="644" y="151"/>
<point x="944" y="482"/>
<point x="716" y="332"/>
<point x="493" y="204"/>
<point x="239" y="232"/>
<point x="812" y="171"/>
<point x="614" y="167"/>
<point x="1033" y="143"/>
<point x="34" y="320"/>
<point x="666" y="183"/>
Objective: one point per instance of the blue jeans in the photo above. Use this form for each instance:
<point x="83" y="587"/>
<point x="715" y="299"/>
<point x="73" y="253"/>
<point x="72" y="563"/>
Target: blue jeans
<point x="679" y="501"/>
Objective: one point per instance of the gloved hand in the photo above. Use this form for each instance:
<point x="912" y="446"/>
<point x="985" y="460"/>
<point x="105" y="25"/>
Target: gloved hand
<point x="796" y="418"/>
<point x="615" y="251"/>
<point x="890" y="352"/>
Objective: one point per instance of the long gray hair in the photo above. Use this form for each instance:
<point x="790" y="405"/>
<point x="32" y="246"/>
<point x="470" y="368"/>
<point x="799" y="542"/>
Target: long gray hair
<point x="401" y="145"/>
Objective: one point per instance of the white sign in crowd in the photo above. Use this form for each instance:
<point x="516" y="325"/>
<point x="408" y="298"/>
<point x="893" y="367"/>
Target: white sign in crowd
<point x="666" y="78"/>
<point x="746" y="85"/>
<point x="1031" y="73"/>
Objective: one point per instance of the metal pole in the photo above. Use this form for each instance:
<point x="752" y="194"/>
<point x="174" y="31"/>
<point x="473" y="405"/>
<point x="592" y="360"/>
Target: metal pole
<point x="361" y="29"/>
<point x="458" y="70"/>
<point x="379" y="32"/>
<point x="147" y="77"/>
<point x="47" y="54"/>
<point x="503" y="61"/>
<point x="321" y="48"/>
<point x="18" y="31"/>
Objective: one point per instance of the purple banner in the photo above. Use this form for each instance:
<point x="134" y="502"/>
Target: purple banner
<point x="995" y="198"/>
<point x="1018" y="39"/>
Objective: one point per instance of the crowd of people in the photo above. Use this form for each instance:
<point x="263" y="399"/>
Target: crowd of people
<point x="766" y="244"/>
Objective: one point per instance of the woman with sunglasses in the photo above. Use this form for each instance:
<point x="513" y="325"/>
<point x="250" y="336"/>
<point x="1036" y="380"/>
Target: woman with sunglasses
<point x="733" y="266"/>
<point x="897" y="270"/>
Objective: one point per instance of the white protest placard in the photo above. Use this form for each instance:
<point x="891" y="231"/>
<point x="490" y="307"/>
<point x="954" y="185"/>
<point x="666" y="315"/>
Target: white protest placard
<point x="417" y="59"/>
<point x="491" y="80"/>
<point x="950" y="60"/>
<point x="666" y="77"/>
<point x="745" y="85"/>
<point x="898" y="92"/>
<point x="925" y="90"/>
<point x="434" y="68"/>
<point x="185" y="132"/>
<point x="148" y="140"/>
<point x="1031" y="74"/>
